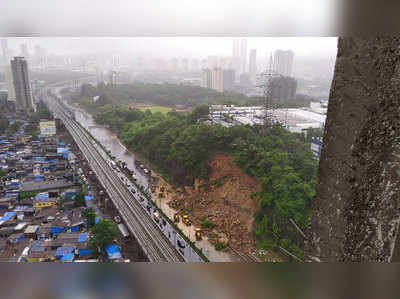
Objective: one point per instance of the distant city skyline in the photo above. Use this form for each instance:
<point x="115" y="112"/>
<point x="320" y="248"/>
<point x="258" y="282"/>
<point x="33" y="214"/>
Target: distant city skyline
<point x="169" y="47"/>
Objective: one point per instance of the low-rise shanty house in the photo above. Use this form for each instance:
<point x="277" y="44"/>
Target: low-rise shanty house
<point x="69" y="238"/>
<point x="31" y="232"/>
<point x="20" y="227"/>
<point x="42" y="216"/>
<point x="60" y="225"/>
<point x="39" y="252"/>
<point x="69" y="194"/>
<point x="43" y="200"/>
<point x="7" y="203"/>
<point x="24" y="210"/>
<point x="68" y="258"/>
<point x="26" y="202"/>
<point x="64" y="250"/>
<point x="44" y="232"/>
<point x="113" y="252"/>
<point x="83" y="246"/>
<point x="8" y="219"/>
<point x="5" y="232"/>
<point x="15" y="238"/>
<point x="77" y="221"/>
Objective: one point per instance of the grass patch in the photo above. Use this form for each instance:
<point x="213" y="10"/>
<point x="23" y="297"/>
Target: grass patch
<point x="212" y="236"/>
<point x="26" y="194"/>
<point x="207" y="224"/>
<point x="188" y="210"/>
<point x="155" y="109"/>
<point x="219" y="246"/>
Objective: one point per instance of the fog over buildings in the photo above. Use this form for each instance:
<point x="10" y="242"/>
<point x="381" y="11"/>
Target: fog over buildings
<point x="305" y="58"/>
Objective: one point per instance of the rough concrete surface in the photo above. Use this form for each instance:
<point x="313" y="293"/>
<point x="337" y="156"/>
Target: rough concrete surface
<point x="356" y="212"/>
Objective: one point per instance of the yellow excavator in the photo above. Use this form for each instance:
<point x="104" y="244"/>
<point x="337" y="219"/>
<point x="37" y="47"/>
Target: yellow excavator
<point x="176" y="217"/>
<point x="186" y="220"/>
<point x="198" y="234"/>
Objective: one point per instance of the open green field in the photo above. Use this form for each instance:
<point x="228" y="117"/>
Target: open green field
<point x="155" y="109"/>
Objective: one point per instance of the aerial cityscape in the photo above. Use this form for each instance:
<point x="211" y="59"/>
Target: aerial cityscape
<point x="177" y="149"/>
<point x="113" y="157"/>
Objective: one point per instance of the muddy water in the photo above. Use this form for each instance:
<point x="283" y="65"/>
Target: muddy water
<point x="111" y="142"/>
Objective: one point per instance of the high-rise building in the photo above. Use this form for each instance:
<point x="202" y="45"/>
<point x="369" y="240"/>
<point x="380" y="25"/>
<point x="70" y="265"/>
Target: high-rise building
<point x="243" y="55"/>
<point x="283" y="89"/>
<point x="283" y="62"/>
<point x="213" y="79"/>
<point x="244" y="80"/>
<point x="206" y="78"/>
<point x="22" y="86"/>
<point x="217" y="80"/>
<point x="7" y="70"/>
<point x="253" y="64"/>
<point x="228" y="79"/>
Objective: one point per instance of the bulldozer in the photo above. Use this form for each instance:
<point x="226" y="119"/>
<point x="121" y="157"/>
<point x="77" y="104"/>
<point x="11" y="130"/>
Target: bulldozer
<point x="176" y="217"/>
<point x="186" y="220"/>
<point x="198" y="234"/>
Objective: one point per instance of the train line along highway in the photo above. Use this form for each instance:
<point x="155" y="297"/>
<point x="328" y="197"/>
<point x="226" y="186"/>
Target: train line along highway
<point x="154" y="244"/>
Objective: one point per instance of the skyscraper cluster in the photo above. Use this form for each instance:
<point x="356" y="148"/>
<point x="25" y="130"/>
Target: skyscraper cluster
<point x="233" y="68"/>
<point x="283" y="62"/>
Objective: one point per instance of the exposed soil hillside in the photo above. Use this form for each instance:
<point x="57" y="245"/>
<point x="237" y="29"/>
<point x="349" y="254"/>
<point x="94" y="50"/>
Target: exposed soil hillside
<point x="225" y="200"/>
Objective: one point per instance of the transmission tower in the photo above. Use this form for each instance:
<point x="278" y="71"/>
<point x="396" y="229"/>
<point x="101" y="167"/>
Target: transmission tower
<point x="268" y="85"/>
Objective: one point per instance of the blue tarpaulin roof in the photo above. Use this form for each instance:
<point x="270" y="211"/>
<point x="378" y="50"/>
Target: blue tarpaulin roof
<point x="7" y="216"/>
<point x="62" y="150"/>
<point x="8" y="194"/>
<point x="84" y="251"/>
<point x="3" y="141"/>
<point x="69" y="257"/>
<point x="38" y="178"/>
<point x="56" y="230"/>
<point x="42" y="195"/>
<point x="83" y="237"/>
<point x="113" y="251"/>
<point x="61" y="251"/>
<point x="88" y="197"/>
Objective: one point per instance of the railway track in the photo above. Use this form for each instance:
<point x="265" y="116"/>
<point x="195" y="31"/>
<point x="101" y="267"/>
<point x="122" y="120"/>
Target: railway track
<point x="155" y="245"/>
<point x="245" y="257"/>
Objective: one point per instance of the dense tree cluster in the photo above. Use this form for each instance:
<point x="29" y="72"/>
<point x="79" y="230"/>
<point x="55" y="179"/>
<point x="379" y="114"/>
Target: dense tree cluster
<point x="168" y="95"/>
<point x="181" y="145"/>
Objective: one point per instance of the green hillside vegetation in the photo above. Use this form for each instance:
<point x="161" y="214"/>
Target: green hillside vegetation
<point x="165" y="95"/>
<point x="181" y="146"/>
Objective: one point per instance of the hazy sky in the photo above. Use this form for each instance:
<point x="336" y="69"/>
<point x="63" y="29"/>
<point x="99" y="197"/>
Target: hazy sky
<point x="167" y="17"/>
<point x="178" y="46"/>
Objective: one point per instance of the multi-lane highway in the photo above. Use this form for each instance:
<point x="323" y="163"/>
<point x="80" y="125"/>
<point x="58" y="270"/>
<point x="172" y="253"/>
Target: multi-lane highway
<point x="153" y="242"/>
